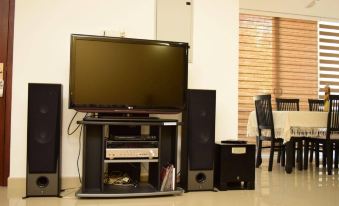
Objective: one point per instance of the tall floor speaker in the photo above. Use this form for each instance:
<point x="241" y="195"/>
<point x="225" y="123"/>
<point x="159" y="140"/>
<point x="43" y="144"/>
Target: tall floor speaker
<point x="197" y="146"/>
<point x="43" y="140"/>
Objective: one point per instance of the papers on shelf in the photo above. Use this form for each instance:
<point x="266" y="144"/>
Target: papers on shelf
<point x="168" y="178"/>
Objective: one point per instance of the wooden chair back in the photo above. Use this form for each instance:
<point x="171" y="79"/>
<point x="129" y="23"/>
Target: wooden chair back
<point x="287" y="104"/>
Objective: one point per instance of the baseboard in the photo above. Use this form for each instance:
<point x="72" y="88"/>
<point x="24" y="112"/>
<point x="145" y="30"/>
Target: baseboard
<point x="17" y="185"/>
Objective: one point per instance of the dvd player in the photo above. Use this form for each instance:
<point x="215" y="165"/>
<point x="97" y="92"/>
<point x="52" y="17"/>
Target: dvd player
<point x="131" y="149"/>
<point x="134" y="138"/>
<point x="131" y="144"/>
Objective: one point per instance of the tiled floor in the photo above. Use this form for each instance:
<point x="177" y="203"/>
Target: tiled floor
<point x="276" y="188"/>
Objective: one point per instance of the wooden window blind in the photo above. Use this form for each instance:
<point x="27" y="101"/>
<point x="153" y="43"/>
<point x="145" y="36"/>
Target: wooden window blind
<point x="328" y="57"/>
<point x="277" y="56"/>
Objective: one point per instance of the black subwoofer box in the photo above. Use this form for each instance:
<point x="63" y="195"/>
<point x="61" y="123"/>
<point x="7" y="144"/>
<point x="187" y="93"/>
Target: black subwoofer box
<point x="234" y="166"/>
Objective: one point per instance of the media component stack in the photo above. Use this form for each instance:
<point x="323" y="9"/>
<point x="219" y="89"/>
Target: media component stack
<point x="141" y="146"/>
<point x="127" y="153"/>
<point x="118" y="151"/>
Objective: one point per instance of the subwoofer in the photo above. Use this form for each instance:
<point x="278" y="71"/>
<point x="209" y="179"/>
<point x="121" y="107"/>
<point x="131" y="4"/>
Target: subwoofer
<point x="197" y="145"/>
<point x="234" y="166"/>
<point x="43" y="140"/>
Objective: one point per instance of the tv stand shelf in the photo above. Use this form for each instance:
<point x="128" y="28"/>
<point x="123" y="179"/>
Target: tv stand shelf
<point x="142" y="190"/>
<point x="163" y="132"/>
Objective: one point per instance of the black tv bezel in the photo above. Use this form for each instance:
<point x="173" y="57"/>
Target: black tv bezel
<point x="125" y="108"/>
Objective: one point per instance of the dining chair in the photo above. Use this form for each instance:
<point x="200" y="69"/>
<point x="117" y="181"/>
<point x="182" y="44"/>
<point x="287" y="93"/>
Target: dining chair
<point x="332" y="133"/>
<point x="315" y="144"/>
<point x="288" y="104"/>
<point x="284" y="104"/>
<point x="263" y="109"/>
<point x="316" y="105"/>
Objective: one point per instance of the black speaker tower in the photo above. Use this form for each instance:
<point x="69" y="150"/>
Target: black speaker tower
<point x="198" y="141"/>
<point x="43" y="140"/>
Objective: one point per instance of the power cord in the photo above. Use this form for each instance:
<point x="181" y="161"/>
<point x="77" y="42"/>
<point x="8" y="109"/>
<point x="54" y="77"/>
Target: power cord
<point x="80" y="133"/>
<point x="70" y="123"/>
<point x="71" y="188"/>
<point x="66" y="195"/>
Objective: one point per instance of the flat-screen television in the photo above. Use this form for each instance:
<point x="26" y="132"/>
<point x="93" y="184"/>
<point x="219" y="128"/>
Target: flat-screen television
<point x="110" y="74"/>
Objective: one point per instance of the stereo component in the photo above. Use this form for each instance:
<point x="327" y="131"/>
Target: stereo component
<point x="131" y="149"/>
<point x="116" y="153"/>
<point x="131" y="144"/>
<point x="134" y="138"/>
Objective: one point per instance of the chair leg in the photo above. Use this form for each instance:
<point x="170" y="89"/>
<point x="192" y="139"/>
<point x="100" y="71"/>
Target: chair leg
<point x="329" y="151"/>
<point x="290" y="150"/>
<point x="325" y="155"/>
<point x="336" y="155"/>
<point x="294" y="159"/>
<point x="311" y="151"/>
<point x="306" y="148"/>
<point x="259" y="148"/>
<point x="297" y="146"/>
<point x="316" y="150"/>
<point x="270" y="163"/>
<point x="279" y="153"/>
<point x="299" y="155"/>
<point x="283" y="156"/>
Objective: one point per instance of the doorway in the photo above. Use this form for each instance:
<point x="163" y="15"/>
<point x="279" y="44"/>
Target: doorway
<point x="6" y="59"/>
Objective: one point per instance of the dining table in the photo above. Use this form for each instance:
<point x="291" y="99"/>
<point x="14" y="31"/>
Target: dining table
<point x="292" y="126"/>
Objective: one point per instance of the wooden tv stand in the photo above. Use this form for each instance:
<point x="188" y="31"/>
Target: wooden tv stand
<point x="97" y="131"/>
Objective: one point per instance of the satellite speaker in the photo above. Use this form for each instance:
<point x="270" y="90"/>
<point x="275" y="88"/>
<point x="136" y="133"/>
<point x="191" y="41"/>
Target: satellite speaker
<point x="43" y="140"/>
<point x="197" y="146"/>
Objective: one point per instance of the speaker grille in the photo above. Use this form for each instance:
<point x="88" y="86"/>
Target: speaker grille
<point x="201" y="128"/>
<point x="43" y="128"/>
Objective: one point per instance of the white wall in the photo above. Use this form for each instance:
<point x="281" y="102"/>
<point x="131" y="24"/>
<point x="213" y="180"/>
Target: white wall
<point x="41" y="54"/>
<point x="215" y="59"/>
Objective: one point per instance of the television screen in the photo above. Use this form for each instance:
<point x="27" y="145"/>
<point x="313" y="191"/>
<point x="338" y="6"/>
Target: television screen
<point x="122" y="74"/>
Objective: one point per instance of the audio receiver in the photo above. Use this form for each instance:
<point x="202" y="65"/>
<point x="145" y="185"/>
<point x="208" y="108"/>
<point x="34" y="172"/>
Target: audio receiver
<point x="131" y="149"/>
